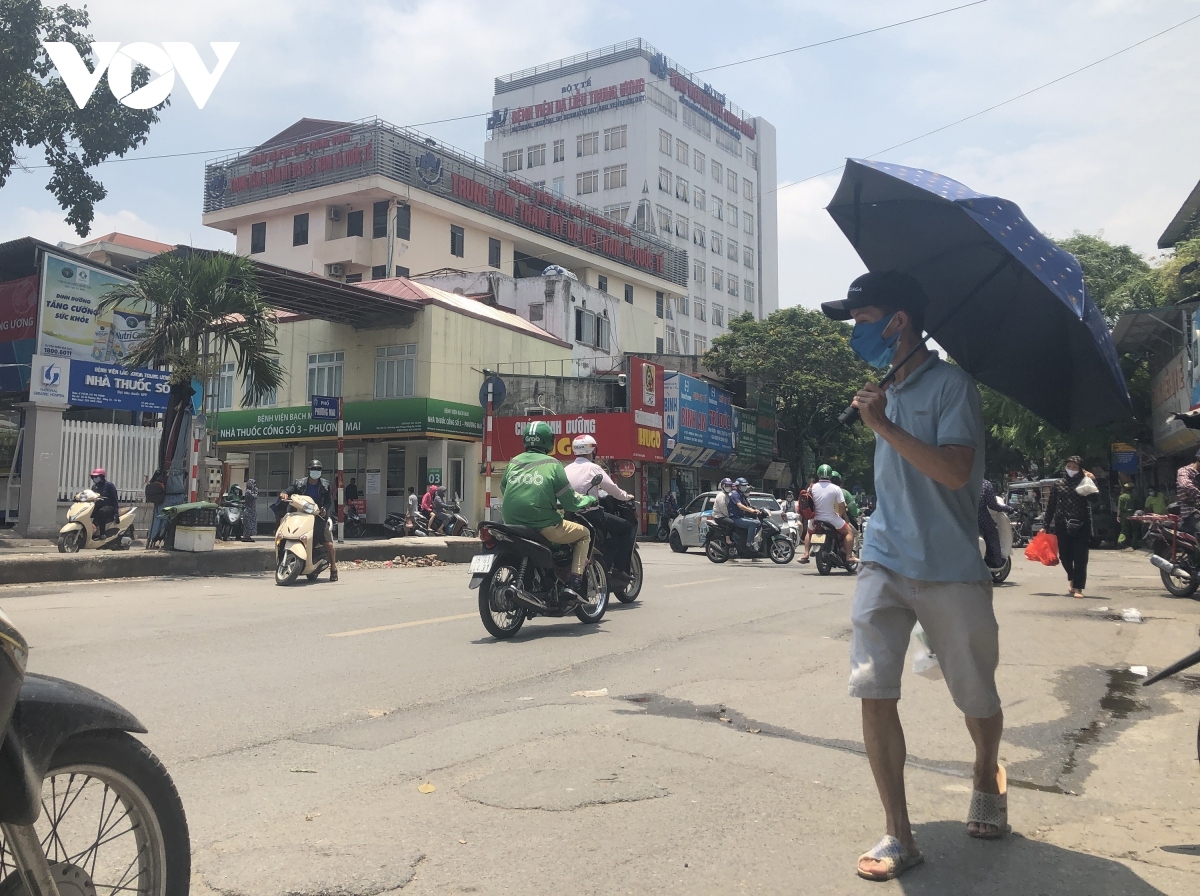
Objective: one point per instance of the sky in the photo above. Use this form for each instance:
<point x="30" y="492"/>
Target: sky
<point x="1108" y="151"/>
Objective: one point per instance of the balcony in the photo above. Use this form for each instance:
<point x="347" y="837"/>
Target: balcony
<point x="347" y="250"/>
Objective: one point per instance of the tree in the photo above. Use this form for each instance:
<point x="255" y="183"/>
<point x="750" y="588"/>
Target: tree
<point x="206" y="310"/>
<point x="38" y="110"/>
<point x="802" y="360"/>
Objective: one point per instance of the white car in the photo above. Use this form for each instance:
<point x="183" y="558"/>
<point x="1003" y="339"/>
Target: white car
<point x="687" y="531"/>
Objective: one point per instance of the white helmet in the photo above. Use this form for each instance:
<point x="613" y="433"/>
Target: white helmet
<point x="583" y="446"/>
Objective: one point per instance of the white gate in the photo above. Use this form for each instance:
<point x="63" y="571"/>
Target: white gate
<point x="129" y="454"/>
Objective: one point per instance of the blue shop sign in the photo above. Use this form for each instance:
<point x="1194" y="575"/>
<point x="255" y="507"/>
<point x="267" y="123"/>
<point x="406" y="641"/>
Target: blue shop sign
<point x="120" y="388"/>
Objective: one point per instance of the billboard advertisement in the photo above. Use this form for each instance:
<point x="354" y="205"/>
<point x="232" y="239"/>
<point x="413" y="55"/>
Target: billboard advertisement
<point x="618" y="436"/>
<point x="1171" y="393"/>
<point x="18" y="331"/>
<point x="71" y="325"/>
<point x="646" y="393"/>
<point x="393" y="416"/>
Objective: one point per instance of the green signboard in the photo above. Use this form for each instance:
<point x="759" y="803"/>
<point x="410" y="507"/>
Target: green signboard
<point x="395" y="416"/>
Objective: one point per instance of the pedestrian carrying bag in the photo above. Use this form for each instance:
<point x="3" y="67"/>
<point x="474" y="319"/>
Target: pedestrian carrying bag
<point x="1043" y="549"/>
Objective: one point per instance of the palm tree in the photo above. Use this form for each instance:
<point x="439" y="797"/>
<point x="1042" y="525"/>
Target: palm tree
<point x="205" y="308"/>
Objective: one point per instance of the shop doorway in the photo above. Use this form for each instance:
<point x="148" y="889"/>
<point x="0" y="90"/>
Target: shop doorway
<point x="455" y="487"/>
<point x="395" y="480"/>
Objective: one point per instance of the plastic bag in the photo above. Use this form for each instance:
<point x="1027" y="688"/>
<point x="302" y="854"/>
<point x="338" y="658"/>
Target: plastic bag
<point x="1043" y="549"/>
<point x="925" y="661"/>
<point x="1087" y="488"/>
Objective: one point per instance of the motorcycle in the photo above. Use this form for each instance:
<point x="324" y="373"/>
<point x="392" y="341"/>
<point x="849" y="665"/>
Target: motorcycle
<point x="229" y="520"/>
<point x="791" y="526"/>
<point x="720" y="545"/>
<point x="295" y="552"/>
<point x="520" y="575"/>
<point x="356" y="525"/>
<point x="1187" y="662"/>
<point x="80" y="533"/>
<point x="1005" y="528"/>
<point x="457" y="524"/>
<point x="1175" y="552"/>
<point x="663" y="533"/>
<point x="828" y="549"/>
<point x="85" y="807"/>
<point x="626" y="510"/>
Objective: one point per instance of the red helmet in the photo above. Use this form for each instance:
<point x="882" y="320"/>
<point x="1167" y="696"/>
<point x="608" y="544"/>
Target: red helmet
<point x="99" y="471"/>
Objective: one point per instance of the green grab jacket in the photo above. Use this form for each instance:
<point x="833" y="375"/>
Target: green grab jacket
<point x="533" y="486"/>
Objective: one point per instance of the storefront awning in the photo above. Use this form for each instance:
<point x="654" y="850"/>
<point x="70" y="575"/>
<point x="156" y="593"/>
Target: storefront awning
<point x="1141" y="331"/>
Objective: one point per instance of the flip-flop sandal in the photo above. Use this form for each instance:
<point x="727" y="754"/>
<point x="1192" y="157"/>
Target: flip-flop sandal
<point x="991" y="808"/>
<point x="895" y="857"/>
<point x="805" y="559"/>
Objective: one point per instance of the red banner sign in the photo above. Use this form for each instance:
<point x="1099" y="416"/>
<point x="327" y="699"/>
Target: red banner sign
<point x="18" y="309"/>
<point x="618" y="436"/>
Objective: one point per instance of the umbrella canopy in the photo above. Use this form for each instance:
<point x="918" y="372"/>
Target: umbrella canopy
<point x="1007" y="304"/>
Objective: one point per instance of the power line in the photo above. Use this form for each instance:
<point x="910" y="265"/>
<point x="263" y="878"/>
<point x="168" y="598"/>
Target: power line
<point x="1011" y="99"/>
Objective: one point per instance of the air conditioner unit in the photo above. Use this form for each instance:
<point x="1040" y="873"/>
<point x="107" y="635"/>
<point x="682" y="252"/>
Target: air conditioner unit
<point x="335" y="214"/>
<point x="336" y="270"/>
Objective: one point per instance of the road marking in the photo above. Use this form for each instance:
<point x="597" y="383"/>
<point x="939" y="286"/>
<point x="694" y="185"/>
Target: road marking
<point x="388" y="628"/>
<point x="701" y="582"/>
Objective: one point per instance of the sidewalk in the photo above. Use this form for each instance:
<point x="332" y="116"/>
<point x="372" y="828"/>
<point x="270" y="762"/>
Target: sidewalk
<point x="26" y="561"/>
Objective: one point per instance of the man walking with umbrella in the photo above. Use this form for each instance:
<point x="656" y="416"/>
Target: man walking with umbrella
<point x="920" y="561"/>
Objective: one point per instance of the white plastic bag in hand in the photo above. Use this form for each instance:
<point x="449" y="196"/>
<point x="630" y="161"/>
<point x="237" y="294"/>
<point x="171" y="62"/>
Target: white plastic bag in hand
<point x="1086" y="488"/>
<point x="925" y="661"/>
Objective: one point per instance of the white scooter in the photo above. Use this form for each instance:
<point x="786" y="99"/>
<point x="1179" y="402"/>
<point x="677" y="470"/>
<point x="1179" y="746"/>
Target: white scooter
<point x="792" y="528"/>
<point x="295" y="553"/>
<point x="1004" y="527"/>
<point x="79" y="534"/>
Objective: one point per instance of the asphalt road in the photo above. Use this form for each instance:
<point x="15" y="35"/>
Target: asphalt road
<point x="726" y="757"/>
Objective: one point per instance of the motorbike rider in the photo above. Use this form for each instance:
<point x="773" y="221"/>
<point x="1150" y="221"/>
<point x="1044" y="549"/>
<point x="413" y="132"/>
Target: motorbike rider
<point x="831" y="509"/>
<point x="107" y="507"/>
<point x="987" y="526"/>
<point x="741" y="514"/>
<point x="720" y="509"/>
<point x="580" y="474"/>
<point x="852" y="510"/>
<point x="1187" y="493"/>
<point x="789" y="502"/>
<point x="532" y="486"/>
<point x="318" y="489"/>
<point x="441" y="513"/>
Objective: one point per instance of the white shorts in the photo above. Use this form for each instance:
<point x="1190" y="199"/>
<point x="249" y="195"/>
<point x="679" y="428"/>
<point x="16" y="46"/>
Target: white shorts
<point x="837" y="522"/>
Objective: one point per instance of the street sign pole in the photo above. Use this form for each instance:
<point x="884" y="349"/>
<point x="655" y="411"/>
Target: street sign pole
<point x="487" y="448"/>
<point x="341" y="491"/>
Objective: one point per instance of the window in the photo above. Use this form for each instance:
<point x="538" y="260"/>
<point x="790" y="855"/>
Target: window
<point x="664" y="180"/>
<point x="733" y="284"/>
<point x="698" y="272"/>
<point x="587" y="181"/>
<point x="379" y="212"/>
<point x="685" y="342"/>
<point x="699" y="237"/>
<point x="536" y="156"/>
<point x="354" y="223"/>
<point x="701" y="345"/>
<point x="404" y="222"/>
<point x="539" y="185"/>
<point x="664" y="219"/>
<point x="457" y="241"/>
<point x="731" y="180"/>
<point x="670" y="309"/>
<point x="325" y="373"/>
<point x="273" y="471"/>
<point x="699" y="311"/>
<point x="617" y="212"/>
<point x="716" y="243"/>
<point x="587" y="144"/>
<point x="681" y="151"/>
<point x="379" y="272"/>
<point x="683" y="305"/>
<point x="395" y="472"/>
<point x="557" y="186"/>
<point x="592" y="329"/>
<point x="267" y="401"/>
<point x="747" y="188"/>
<point x="698" y="161"/>
<point x="672" y="342"/>
<point x="512" y="160"/>
<point x="258" y="237"/>
<point x="401" y="271"/>
<point x="718" y="316"/>
<point x="603" y="330"/>
<point x="664" y="142"/>
<point x="748" y="257"/>
<point x="747" y="222"/>
<point x="662" y="100"/>
<point x="682" y="189"/>
<point x="733" y="250"/>
<point x="718" y="279"/>
<point x="602" y="283"/>
<point x="493" y="252"/>
<point x="658" y="305"/>
<point x="658" y="348"/>
<point x="614" y="177"/>
<point x="731" y="215"/>
<point x="220" y="390"/>
<point x="718" y="173"/>
<point x="537" y="312"/>
<point x="300" y="230"/>
<point x="643" y="218"/>
<point x="731" y="145"/>
<point x="560" y="150"/>
<point x="697" y="122"/>
<point x="749" y="291"/>
<point x="395" y="371"/>
<point x="718" y="209"/>
<point x="698" y="198"/>
<point x="752" y="158"/>
<point x="614" y="138"/>
<point x="629" y="293"/>
<point x="682" y="226"/>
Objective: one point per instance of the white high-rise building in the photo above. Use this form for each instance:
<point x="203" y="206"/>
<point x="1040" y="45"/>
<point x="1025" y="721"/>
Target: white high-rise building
<point x="630" y="131"/>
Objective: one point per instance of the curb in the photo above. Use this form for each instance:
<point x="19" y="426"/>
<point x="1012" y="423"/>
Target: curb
<point x="224" y="561"/>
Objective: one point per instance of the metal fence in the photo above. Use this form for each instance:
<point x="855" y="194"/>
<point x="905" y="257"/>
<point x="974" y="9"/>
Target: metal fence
<point x="129" y="454"/>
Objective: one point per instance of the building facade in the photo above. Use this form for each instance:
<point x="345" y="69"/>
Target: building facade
<point x="661" y="152"/>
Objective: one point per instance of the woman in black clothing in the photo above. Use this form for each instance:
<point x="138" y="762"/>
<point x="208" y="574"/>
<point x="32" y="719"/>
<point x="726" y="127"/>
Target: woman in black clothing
<point x="1069" y="516"/>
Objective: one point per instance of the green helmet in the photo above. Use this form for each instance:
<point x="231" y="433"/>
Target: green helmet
<point x="539" y="436"/>
<point x="835" y="476"/>
<point x="824" y="471"/>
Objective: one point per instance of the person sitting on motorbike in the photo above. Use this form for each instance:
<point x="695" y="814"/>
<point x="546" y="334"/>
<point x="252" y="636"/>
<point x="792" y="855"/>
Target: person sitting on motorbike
<point x="741" y="514"/>
<point x="441" y="515"/>
<point x="580" y="474"/>
<point x="671" y="506"/>
<point x="720" y="509"/>
<point x="532" y="487"/>
<point x="318" y="489"/>
<point x="789" y="502"/>
<point x="852" y="511"/>
<point x="107" y="509"/>
<point x="987" y="526"/>
<point x="831" y="509"/>
<point x="1187" y="493"/>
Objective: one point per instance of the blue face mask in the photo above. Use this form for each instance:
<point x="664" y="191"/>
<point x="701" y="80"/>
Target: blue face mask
<point x="868" y="343"/>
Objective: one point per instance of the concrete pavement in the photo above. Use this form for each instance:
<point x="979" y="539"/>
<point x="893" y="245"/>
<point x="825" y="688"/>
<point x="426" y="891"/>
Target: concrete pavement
<point x="726" y="758"/>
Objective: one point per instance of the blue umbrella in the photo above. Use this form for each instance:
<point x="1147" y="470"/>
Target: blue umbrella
<point x="1008" y="305"/>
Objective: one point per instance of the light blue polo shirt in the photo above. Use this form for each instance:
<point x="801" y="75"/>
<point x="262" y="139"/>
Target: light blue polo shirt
<point x="920" y="528"/>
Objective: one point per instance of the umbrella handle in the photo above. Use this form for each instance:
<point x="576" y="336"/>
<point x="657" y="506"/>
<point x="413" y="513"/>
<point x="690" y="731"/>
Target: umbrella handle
<point x="851" y="415"/>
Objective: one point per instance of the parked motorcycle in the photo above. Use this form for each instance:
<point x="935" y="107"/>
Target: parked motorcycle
<point x="85" y="807"/>
<point x="626" y="510"/>
<point x="356" y="525"/>
<point x="663" y="533"/>
<point x="229" y="520"/>
<point x="1175" y="552"/>
<point x="1005" y="528"/>
<point x="829" y="550"/>
<point x="1187" y="662"/>
<point x="720" y="544"/>
<point x="295" y="552"/>
<point x="81" y="534"/>
<point x="520" y="575"/>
